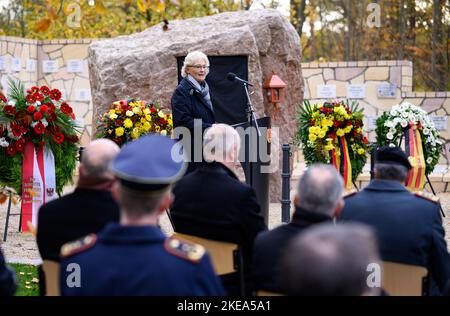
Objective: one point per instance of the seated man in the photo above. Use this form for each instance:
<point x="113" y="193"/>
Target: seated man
<point x="408" y="226"/>
<point x="86" y="210"/>
<point x="8" y="280"/>
<point x="318" y="199"/>
<point x="328" y="260"/>
<point x="135" y="257"/>
<point x="212" y="203"/>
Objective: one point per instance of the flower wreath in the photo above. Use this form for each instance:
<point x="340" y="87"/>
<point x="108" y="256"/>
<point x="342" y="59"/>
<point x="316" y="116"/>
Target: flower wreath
<point x="333" y="133"/>
<point x="39" y="116"/>
<point x="393" y="125"/>
<point x="130" y="119"/>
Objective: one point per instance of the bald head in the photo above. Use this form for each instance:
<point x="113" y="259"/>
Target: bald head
<point x="97" y="158"/>
<point x="320" y="189"/>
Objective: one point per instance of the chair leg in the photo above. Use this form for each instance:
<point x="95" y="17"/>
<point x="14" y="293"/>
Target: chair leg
<point x="8" y="212"/>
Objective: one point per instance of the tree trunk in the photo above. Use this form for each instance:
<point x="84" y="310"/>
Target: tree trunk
<point x="401" y="29"/>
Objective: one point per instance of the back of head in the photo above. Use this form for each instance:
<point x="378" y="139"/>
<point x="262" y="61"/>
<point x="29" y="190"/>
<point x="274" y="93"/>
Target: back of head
<point x="221" y="143"/>
<point x="320" y="189"/>
<point x="146" y="169"/>
<point x="328" y="260"/>
<point x="96" y="161"/>
<point x="391" y="163"/>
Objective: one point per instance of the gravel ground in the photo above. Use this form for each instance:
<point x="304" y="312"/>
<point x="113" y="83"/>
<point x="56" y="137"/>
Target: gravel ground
<point x="22" y="248"/>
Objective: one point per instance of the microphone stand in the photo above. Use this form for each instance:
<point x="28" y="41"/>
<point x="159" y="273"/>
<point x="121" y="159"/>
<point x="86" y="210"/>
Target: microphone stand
<point x="250" y="118"/>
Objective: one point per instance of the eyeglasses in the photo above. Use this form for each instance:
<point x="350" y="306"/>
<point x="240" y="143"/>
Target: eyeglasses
<point x="200" y="67"/>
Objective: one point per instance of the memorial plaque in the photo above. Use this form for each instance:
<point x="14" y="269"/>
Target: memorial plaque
<point x="326" y="91"/>
<point x="386" y="91"/>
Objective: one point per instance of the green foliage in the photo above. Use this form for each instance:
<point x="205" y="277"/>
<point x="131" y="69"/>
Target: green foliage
<point x="27" y="276"/>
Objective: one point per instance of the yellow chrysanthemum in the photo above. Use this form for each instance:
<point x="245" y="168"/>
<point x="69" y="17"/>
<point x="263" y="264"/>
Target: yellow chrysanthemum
<point x="157" y="129"/>
<point x="340" y="132"/>
<point x="128" y="123"/>
<point x="135" y="133"/>
<point x="148" y="117"/>
<point x="119" y="131"/>
<point x="112" y="115"/>
<point x="312" y="137"/>
<point x="146" y="126"/>
<point x="361" y="151"/>
<point x="146" y="111"/>
<point x="321" y="134"/>
<point x="137" y="110"/>
<point x="170" y="121"/>
<point x="329" y="147"/>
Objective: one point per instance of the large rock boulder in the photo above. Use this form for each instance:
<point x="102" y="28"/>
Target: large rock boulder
<point x="144" y="64"/>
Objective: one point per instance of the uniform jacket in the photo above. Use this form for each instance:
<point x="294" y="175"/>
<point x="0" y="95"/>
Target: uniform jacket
<point x="8" y="280"/>
<point x="409" y="227"/>
<point x="269" y="247"/>
<point x="136" y="261"/>
<point x="72" y="216"/>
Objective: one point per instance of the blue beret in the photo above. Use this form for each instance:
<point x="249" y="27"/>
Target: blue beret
<point x="392" y="155"/>
<point x="147" y="163"/>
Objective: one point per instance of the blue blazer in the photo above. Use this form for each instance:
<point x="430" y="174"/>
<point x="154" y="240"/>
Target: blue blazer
<point x="188" y="104"/>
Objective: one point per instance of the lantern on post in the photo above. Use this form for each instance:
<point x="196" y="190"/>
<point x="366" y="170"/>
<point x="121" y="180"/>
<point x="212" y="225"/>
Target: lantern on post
<point x="274" y="89"/>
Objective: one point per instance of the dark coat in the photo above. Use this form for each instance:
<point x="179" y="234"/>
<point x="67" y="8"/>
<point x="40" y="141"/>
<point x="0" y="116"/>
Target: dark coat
<point x="72" y="216"/>
<point x="409" y="227"/>
<point x="269" y="247"/>
<point x="187" y="105"/>
<point x="138" y="261"/>
<point x="8" y="280"/>
<point x="212" y="203"/>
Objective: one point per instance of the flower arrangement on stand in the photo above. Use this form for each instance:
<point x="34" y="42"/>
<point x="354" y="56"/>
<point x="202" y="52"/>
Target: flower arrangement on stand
<point x="332" y="132"/>
<point x="130" y="119"/>
<point x="40" y="118"/>
<point x="412" y="126"/>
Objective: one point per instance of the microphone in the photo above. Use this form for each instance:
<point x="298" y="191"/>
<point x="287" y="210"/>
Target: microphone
<point x="232" y="77"/>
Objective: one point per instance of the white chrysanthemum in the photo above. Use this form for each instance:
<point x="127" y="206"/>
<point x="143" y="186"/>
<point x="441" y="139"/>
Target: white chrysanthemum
<point x="429" y="160"/>
<point x="392" y="130"/>
<point x="405" y="114"/>
<point x="389" y="124"/>
<point x="44" y="121"/>
<point x="394" y="112"/>
<point x="3" y="142"/>
<point x="404" y="123"/>
<point x="426" y="131"/>
<point x="390" y="136"/>
<point x="391" y="145"/>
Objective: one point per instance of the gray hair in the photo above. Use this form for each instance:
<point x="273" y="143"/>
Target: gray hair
<point x="191" y="58"/>
<point x="219" y="143"/>
<point x="385" y="171"/>
<point x="97" y="158"/>
<point x="329" y="260"/>
<point x="320" y="189"/>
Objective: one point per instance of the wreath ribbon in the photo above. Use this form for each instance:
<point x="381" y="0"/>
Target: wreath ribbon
<point x="414" y="151"/>
<point x="344" y="165"/>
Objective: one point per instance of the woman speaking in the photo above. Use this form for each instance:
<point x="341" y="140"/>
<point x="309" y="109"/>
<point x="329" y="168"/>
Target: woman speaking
<point x="191" y="102"/>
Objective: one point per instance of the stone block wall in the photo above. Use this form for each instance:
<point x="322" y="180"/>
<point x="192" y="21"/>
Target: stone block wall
<point x="75" y="86"/>
<point x="371" y="74"/>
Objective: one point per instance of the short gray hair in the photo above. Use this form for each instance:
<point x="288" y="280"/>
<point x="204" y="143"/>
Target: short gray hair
<point x="219" y="142"/>
<point x="386" y="171"/>
<point x="329" y="260"/>
<point x="191" y="58"/>
<point x="320" y="189"/>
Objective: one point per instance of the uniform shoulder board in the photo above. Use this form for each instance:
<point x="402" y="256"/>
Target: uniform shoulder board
<point x="427" y="196"/>
<point x="350" y="193"/>
<point x="79" y="245"/>
<point x="184" y="249"/>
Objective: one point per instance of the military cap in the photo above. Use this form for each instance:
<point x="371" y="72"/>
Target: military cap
<point x="392" y="155"/>
<point x="147" y="164"/>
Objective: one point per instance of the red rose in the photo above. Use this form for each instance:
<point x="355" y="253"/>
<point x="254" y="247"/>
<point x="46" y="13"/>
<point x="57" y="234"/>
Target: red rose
<point x="37" y="116"/>
<point x="34" y="89"/>
<point x="3" y="98"/>
<point x="51" y="116"/>
<point x="39" y="97"/>
<point x="19" y="147"/>
<point x="72" y="138"/>
<point x="51" y="107"/>
<point x="58" y="138"/>
<point x="31" y="109"/>
<point x="153" y="110"/>
<point x="45" y="90"/>
<point x="39" y="128"/>
<point x="365" y="140"/>
<point x="72" y="115"/>
<point x="21" y="141"/>
<point x="30" y="98"/>
<point x="16" y="129"/>
<point x="43" y="108"/>
<point x="9" y="110"/>
<point x="65" y="108"/>
<point x="55" y="94"/>
<point x="11" y="150"/>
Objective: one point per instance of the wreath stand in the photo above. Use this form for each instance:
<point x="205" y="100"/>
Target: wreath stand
<point x="8" y="214"/>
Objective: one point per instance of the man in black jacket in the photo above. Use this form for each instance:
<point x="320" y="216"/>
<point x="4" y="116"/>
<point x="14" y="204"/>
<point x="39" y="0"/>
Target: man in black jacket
<point x="86" y="210"/>
<point x="8" y="280"/>
<point x="318" y="199"/>
<point x="408" y="226"/>
<point x="212" y="203"/>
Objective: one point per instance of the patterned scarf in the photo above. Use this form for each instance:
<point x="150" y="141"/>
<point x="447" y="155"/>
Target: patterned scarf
<point x="203" y="89"/>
